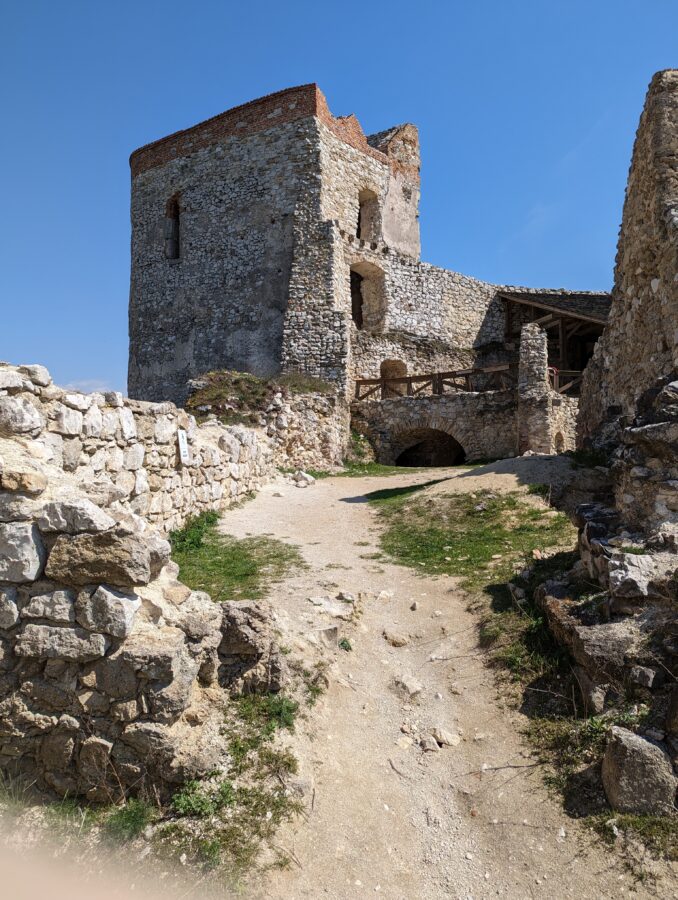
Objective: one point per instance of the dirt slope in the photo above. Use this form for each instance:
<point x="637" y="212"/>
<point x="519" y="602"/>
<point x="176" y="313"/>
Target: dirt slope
<point x="384" y="817"/>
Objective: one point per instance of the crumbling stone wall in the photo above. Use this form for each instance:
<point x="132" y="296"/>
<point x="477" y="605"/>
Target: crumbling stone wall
<point x="546" y="420"/>
<point x="125" y="452"/>
<point x="112" y="673"/>
<point x="640" y="341"/>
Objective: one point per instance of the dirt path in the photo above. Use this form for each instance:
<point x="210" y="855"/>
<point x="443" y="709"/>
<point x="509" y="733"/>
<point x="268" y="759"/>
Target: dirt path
<point x="384" y="817"/>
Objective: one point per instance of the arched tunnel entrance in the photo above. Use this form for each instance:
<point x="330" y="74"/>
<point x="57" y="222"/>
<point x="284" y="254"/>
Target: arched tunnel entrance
<point x="429" y="447"/>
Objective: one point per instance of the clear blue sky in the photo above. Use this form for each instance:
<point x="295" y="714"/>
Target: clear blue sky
<point x="527" y="111"/>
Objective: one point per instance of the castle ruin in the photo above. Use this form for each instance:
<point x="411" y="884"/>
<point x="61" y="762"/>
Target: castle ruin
<point x="277" y="237"/>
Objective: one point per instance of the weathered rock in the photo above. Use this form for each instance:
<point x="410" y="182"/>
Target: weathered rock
<point x="118" y="560"/>
<point x="107" y="611"/>
<point x="22" y="553"/>
<point x="27" y="481"/>
<point x="38" y="375"/>
<point x="9" y="612"/>
<point x="57" y="606"/>
<point x="46" y="641"/>
<point x="445" y="738"/>
<point x="593" y="694"/>
<point x="428" y="743"/>
<point x="67" y="421"/>
<point x="409" y="685"/>
<point x="637" y="775"/>
<point x="19" y="416"/>
<point x="73" y="516"/>
<point x="396" y="638"/>
<point x="17" y="508"/>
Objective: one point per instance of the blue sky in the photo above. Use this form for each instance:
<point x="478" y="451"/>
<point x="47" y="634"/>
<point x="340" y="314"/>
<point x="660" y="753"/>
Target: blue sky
<point x="526" y="109"/>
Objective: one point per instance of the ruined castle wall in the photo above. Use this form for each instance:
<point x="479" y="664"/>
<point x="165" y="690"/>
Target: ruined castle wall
<point x="483" y="423"/>
<point x="125" y="452"/>
<point x="347" y="171"/>
<point x="222" y="302"/>
<point x="640" y="341"/>
<point x="112" y="672"/>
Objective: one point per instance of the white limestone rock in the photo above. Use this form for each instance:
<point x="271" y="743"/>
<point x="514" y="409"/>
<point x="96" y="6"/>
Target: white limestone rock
<point x="76" y="400"/>
<point x="93" y="422"/>
<point x="19" y="416"/>
<point x="127" y="424"/>
<point x="108" y="611"/>
<point x="22" y="554"/>
<point x="73" y="516"/>
<point x="39" y="375"/>
<point x="9" y="612"/>
<point x="52" y="642"/>
<point x="57" y="606"/>
<point x="11" y="380"/>
<point x="67" y="421"/>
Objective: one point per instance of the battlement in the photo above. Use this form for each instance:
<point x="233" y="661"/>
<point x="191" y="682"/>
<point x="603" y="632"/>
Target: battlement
<point x="274" y="110"/>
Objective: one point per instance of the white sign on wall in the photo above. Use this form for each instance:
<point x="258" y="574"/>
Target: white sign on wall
<point x="184" y="453"/>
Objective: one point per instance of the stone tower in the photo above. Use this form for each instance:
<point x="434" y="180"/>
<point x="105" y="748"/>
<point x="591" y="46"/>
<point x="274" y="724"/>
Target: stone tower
<point x="260" y="240"/>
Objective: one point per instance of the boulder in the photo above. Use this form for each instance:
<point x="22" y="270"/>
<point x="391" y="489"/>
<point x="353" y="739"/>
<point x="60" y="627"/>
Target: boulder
<point x="19" y="416"/>
<point x="22" y="554"/>
<point x="49" y="642"/>
<point x="108" y="611"/>
<point x="73" y="516"/>
<point x="121" y="560"/>
<point x="631" y="577"/>
<point x="637" y="775"/>
<point x="57" y="606"/>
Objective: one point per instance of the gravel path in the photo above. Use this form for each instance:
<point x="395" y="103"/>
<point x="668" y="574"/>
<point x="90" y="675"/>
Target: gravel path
<point x="384" y="817"/>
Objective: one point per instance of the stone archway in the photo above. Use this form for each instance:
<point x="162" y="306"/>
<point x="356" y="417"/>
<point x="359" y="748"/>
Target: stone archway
<point x="421" y="447"/>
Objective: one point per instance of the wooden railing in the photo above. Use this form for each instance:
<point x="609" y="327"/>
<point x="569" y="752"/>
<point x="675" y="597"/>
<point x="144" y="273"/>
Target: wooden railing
<point x="493" y="378"/>
<point x="565" y="381"/>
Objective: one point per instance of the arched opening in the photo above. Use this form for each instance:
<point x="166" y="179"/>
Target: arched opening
<point x="369" y="216"/>
<point x="429" y="447"/>
<point x="393" y="368"/>
<point x="172" y="248"/>
<point x="559" y="442"/>
<point x="368" y="296"/>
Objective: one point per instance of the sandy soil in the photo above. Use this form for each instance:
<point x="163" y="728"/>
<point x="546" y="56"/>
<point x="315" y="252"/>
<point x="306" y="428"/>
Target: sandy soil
<point x="383" y="818"/>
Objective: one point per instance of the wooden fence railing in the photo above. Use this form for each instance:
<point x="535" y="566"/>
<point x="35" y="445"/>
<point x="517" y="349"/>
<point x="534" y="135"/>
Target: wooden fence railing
<point x="493" y="378"/>
<point x="565" y="381"/>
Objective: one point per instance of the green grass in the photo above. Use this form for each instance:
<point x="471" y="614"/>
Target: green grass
<point x="459" y="534"/>
<point x="128" y="821"/>
<point x="658" y="833"/>
<point x="228" y="568"/>
<point x="238" y="398"/>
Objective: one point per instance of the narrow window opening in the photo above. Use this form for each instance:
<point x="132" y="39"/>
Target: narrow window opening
<point x="369" y="218"/>
<point x="357" y="298"/>
<point x="172" y="248"/>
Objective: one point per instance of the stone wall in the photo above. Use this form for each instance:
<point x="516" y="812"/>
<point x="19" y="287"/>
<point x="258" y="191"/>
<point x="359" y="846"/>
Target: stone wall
<point x="546" y="420"/>
<point x="640" y="341"/>
<point x="483" y="423"/>
<point x="308" y="431"/>
<point x="113" y="673"/>
<point x="125" y="452"/>
<point x="222" y="302"/>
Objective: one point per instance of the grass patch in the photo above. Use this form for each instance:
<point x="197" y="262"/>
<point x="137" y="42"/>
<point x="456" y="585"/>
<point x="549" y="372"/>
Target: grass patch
<point x="460" y="534"/>
<point x="129" y="821"/>
<point x="658" y="833"/>
<point x="226" y="567"/>
<point x="238" y="398"/>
